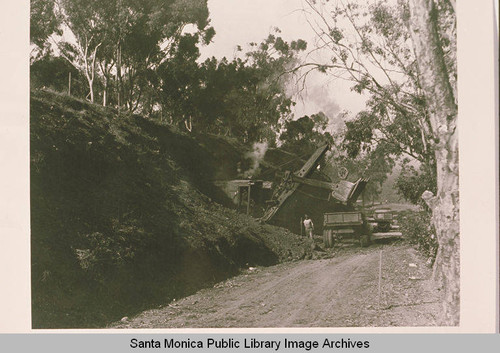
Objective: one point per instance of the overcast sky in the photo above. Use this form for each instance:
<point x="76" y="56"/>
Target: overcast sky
<point x="243" y="21"/>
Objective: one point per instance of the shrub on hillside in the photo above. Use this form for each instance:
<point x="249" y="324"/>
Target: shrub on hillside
<point x="418" y="228"/>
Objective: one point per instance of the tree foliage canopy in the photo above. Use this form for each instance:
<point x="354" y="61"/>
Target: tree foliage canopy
<point x="304" y="135"/>
<point x="144" y="56"/>
<point x="43" y="22"/>
<point x="244" y="97"/>
<point x="370" y="45"/>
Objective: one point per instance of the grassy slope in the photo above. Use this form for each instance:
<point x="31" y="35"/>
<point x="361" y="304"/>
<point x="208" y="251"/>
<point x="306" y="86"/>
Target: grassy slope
<point x="123" y="216"/>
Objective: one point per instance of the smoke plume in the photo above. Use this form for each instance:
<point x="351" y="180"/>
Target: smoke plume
<point x="256" y="155"/>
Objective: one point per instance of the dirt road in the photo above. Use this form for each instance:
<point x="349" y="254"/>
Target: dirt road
<point x="339" y="290"/>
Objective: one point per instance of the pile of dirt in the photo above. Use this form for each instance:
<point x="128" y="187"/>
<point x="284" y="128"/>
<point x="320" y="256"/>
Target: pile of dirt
<point x="125" y="214"/>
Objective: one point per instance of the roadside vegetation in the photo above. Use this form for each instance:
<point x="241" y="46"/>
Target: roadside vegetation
<point x="418" y="229"/>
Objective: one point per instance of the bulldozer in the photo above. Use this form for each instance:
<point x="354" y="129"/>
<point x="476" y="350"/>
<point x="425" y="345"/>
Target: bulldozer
<point x="335" y="202"/>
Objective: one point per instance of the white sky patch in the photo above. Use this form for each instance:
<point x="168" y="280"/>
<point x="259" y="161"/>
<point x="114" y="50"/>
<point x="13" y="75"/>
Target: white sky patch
<point x="238" y="22"/>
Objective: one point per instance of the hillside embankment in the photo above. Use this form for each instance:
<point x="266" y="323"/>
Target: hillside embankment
<point x="125" y="214"/>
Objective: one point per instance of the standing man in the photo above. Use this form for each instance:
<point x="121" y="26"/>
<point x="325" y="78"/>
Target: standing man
<point x="309" y="226"/>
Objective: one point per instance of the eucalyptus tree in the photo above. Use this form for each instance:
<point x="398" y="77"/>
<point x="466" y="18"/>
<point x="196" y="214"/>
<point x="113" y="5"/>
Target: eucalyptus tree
<point x="125" y="40"/>
<point x="402" y="56"/>
<point x="43" y="22"/>
<point x="439" y="87"/>
<point x="153" y="30"/>
<point x="88" y="22"/>
<point x="244" y="97"/>
<point x="370" y="46"/>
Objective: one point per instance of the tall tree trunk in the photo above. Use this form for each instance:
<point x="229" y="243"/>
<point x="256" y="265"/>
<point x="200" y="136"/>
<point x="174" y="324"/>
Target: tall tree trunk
<point x="91" y="84"/>
<point x="442" y="111"/>
<point x="119" y="75"/>
<point x="87" y="73"/>
<point x="90" y="68"/>
<point x="106" y="76"/>
<point x="69" y="83"/>
<point x="105" y="92"/>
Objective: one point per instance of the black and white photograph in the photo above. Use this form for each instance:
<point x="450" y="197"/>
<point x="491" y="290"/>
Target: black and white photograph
<point x="246" y="164"/>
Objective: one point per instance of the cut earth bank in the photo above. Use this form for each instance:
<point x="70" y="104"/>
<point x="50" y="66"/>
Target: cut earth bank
<point x="125" y="215"/>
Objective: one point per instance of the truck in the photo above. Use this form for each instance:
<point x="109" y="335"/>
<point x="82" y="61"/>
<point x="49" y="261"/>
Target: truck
<point x="340" y="225"/>
<point x="382" y="218"/>
<point x="339" y="214"/>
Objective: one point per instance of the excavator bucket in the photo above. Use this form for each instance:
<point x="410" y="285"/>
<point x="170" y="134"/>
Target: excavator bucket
<point x="348" y="192"/>
<point x="358" y="188"/>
